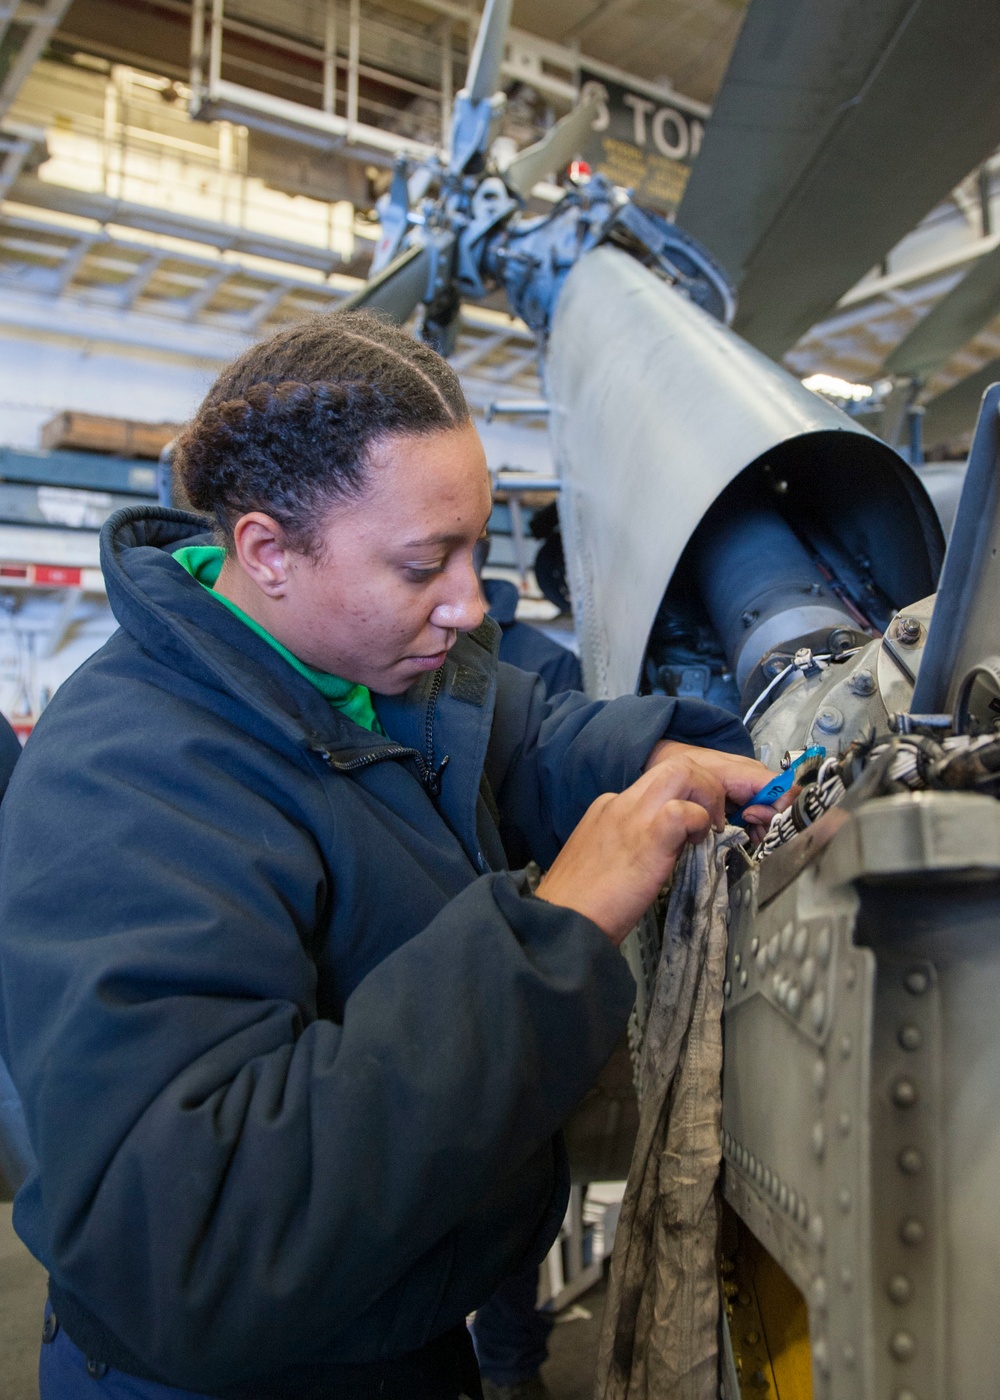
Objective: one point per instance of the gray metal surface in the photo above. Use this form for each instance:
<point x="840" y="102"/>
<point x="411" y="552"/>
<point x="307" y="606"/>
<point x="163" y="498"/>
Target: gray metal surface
<point x="837" y="128"/>
<point x="655" y="409"/>
<point x="861" y="1094"/>
<point x="966" y="626"/>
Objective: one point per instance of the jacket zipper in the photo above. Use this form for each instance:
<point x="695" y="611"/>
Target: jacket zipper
<point x="431" y="776"/>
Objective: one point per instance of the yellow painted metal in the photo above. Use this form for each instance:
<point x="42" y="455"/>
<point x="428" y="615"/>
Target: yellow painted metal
<point x="768" y="1320"/>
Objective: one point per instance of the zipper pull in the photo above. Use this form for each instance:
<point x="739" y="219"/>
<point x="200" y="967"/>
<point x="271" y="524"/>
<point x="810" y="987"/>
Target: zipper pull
<point x="432" y="780"/>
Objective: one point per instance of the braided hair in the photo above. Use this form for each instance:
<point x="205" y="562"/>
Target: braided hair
<point x="287" y="428"/>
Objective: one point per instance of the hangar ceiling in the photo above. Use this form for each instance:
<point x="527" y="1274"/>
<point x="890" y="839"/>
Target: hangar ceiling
<point x="813" y="201"/>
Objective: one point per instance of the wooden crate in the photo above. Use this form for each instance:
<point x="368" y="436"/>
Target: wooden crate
<point x="95" y="432"/>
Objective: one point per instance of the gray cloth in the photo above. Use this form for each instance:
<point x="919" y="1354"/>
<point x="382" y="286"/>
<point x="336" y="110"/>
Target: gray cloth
<point x="659" y="1340"/>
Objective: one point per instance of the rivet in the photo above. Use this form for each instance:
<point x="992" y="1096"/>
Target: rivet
<point x="846" y="1279"/>
<point x="862" y="683"/>
<point x="899" y="1289"/>
<point x="917" y="981"/>
<point x="850" y="976"/>
<point x="754" y="944"/>
<point x="905" y="1395"/>
<point x="767" y="1178"/>
<point x="737" y="961"/>
<point x="910" y="1037"/>
<point x="904" y="1094"/>
<point x="783" y="1196"/>
<point x="824" y="944"/>
<point x="761" y="958"/>
<point x="759" y="1174"/>
<point x="753" y="1165"/>
<point x="747" y="896"/>
<point x="817" y="1010"/>
<point x="752" y="1338"/>
<point x="744" y="1157"/>
<point x="744" y="1300"/>
<point x="846" y="1046"/>
<point x="793" y="1001"/>
<point x="802" y="1214"/>
<point x="912" y="1232"/>
<point x="830" y="720"/>
<point x="844" y="1200"/>
<point x="849" y="1354"/>
<point x="744" y="979"/>
<point x="819" y="1078"/>
<point x="817" y="1231"/>
<point x="793" y="1202"/>
<point x="910" y="1161"/>
<point x="819" y="1140"/>
<point x="773" y="949"/>
<point x="778" y="987"/>
<point x="727" y="987"/>
<point x="729" y="916"/>
<point x="800" y="943"/>
<point x="725" y="1141"/>
<point x="819" y="1293"/>
<point x="903" y="1346"/>
<point x="786" y="937"/>
<point x="759" y="1381"/>
<point x="844" y="1124"/>
<point x="808" y="975"/>
<point x="821" y="1355"/>
<point x="775" y="1186"/>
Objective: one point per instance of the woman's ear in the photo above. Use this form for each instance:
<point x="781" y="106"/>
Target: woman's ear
<point x="262" y="552"/>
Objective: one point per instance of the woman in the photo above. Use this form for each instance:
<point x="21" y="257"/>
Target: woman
<point x="294" y="1043"/>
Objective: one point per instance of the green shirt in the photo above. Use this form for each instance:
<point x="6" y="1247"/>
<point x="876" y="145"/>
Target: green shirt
<point x="204" y="563"/>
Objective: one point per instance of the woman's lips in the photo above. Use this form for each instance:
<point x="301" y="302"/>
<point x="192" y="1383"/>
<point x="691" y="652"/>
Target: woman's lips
<point x="427" y="663"/>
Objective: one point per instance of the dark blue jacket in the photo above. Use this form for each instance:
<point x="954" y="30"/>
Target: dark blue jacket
<point x="528" y="647"/>
<point x="292" y="1042"/>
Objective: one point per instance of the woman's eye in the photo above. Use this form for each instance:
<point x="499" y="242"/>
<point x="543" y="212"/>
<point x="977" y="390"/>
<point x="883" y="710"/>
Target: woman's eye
<point x="419" y="573"/>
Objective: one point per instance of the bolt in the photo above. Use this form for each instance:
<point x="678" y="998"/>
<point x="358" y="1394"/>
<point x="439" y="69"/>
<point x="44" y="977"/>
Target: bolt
<point x="903" y="1346"/>
<point x="744" y="979"/>
<point x="844" y="1200"/>
<point x="749" y="617"/>
<point x="917" y="982"/>
<point x="824" y="944"/>
<point x="819" y="1294"/>
<point x="773" y="665"/>
<point x="728" y="988"/>
<point x="846" y="1279"/>
<point x="908" y="631"/>
<point x="819" y="1140"/>
<point x="845" y="1047"/>
<point x="738" y="961"/>
<point x="904" y="1095"/>
<point x="844" y="1124"/>
<point x="840" y="638"/>
<point x="808" y="975"/>
<point x="830" y="720"/>
<point x="912" y="1232"/>
<point x="793" y="1000"/>
<point x="910" y="1037"/>
<point x="910" y="1161"/>
<point x="899" y="1289"/>
<point x="850" y="977"/>
<point x="817" y="1010"/>
<point x="817" y="1231"/>
<point x="819" y="1078"/>
<point x="773" y="949"/>
<point x="862" y="683"/>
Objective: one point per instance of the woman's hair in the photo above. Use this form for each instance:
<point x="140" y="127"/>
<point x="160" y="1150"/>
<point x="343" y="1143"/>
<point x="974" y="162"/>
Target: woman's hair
<point x="287" y="428"/>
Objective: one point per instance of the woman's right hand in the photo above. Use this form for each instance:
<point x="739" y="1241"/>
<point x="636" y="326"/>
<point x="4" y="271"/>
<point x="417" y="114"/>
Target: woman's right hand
<point x="627" y="844"/>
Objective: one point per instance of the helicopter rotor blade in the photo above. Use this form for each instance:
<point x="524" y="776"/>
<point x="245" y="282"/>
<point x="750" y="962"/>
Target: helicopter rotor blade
<point x="483" y="78"/>
<point x="398" y="289"/>
<point x="555" y="150"/>
<point x="952" y="322"/>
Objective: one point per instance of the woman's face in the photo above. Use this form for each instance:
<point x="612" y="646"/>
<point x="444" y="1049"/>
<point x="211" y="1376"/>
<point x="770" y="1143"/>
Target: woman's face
<point x="393" y="583"/>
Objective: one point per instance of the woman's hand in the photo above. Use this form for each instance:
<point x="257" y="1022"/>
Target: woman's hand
<point x="627" y="844"/>
<point x="740" y="777"/>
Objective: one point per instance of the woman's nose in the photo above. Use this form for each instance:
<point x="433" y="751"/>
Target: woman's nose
<point x="463" y="610"/>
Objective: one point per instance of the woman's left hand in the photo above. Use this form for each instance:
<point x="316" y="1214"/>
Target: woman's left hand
<point x="741" y="777"/>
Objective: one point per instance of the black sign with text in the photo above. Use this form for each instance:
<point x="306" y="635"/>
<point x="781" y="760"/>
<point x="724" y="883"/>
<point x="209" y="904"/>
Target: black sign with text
<point x="646" y="144"/>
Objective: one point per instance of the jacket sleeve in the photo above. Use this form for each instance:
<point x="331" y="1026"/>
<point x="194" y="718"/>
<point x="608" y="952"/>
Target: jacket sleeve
<point x="549" y="759"/>
<point x="225" y="1179"/>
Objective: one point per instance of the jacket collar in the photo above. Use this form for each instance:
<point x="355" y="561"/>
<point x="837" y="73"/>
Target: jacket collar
<point x="444" y="718"/>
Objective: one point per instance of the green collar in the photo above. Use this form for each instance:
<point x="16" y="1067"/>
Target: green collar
<point x="204" y="563"/>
